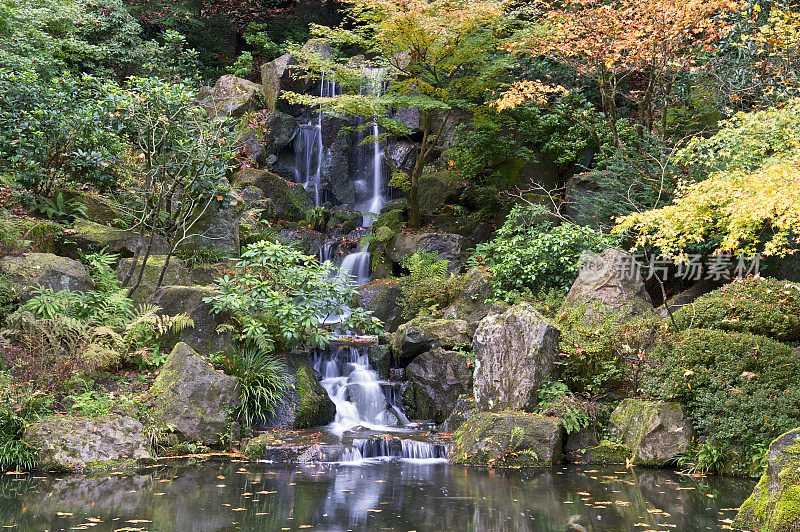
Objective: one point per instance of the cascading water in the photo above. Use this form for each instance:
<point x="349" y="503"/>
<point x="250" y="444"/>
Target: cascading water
<point x="361" y="398"/>
<point x="371" y="156"/>
<point x="309" y="149"/>
<point x="366" y="448"/>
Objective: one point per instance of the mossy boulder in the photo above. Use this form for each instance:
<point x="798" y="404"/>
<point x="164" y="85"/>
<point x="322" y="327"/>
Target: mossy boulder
<point x="463" y="410"/>
<point x="28" y="234"/>
<point x="193" y="397"/>
<point x="176" y="274"/>
<point x="100" y="209"/>
<point x="436" y="379"/>
<point x="763" y="306"/>
<point x="46" y="270"/>
<point x="231" y="96"/>
<point x="470" y="304"/>
<point x="423" y="334"/>
<point x="508" y="439"/>
<point x="774" y="505"/>
<point x="515" y="354"/>
<point x="72" y="443"/>
<point x="380" y="358"/>
<point x="604" y="453"/>
<point x="436" y="190"/>
<point x="313" y="407"/>
<point x="447" y="246"/>
<point x="215" y="226"/>
<point x="86" y="235"/>
<point x="282" y="200"/>
<point x="383" y="297"/>
<point x="656" y="432"/>
<point x="203" y="337"/>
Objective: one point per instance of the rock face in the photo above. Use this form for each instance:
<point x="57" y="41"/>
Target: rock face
<point x="216" y="227"/>
<point x="448" y="246"/>
<point x="515" y="353"/>
<point x="609" y="281"/>
<point x="283" y="200"/>
<point x="463" y="410"/>
<point x="84" y="444"/>
<point x="278" y="75"/>
<point x="423" y="334"/>
<point x="508" y="439"/>
<point x="774" y="505"/>
<point x="313" y="407"/>
<point x="470" y="305"/>
<point x="192" y="396"/>
<point x="655" y="432"/>
<point x="98" y="208"/>
<point x="604" y="453"/>
<point x="581" y="197"/>
<point x="435" y="381"/>
<point x="230" y="96"/>
<point x="93" y="236"/>
<point x="175" y="275"/>
<point x="383" y="298"/>
<point x="203" y="337"/>
<point x="280" y="129"/>
<point x="48" y="271"/>
<point x="436" y="190"/>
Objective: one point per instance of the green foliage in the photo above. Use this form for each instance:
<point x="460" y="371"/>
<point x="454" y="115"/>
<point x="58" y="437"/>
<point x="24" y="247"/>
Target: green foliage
<point x="728" y="381"/>
<point x="58" y="209"/>
<point x="14" y="454"/>
<point x="531" y="252"/>
<point x="8" y="296"/>
<point x="555" y="399"/>
<point x="270" y="40"/>
<point x="756" y="305"/>
<point x="317" y="218"/>
<point x="263" y="380"/>
<point x="91" y="403"/>
<point x="429" y="287"/>
<point x="705" y="457"/>
<point x="278" y="297"/>
<point x="600" y="347"/>
<point x="243" y="66"/>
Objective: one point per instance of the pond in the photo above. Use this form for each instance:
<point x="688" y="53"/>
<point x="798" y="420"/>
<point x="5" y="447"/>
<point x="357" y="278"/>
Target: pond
<point x="400" y="495"/>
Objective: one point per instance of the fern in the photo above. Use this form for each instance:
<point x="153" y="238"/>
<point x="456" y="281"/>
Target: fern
<point x="429" y="287"/>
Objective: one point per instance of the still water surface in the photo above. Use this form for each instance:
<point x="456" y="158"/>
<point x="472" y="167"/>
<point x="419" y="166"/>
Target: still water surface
<point x="373" y="495"/>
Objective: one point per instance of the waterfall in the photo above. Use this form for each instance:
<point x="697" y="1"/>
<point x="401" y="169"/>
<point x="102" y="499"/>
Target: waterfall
<point x="373" y="182"/>
<point x="308" y="147"/>
<point x="395" y="448"/>
<point x="356" y="265"/>
<point x="361" y="398"/>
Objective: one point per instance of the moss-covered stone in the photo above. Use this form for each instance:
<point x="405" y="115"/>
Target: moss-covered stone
<point x="605" y="453"/>
<point x="86" y="235"/>
<point x="176" y="274"/>
<point x="436" y="379"/>
<point x="774" y="505"/>
<point x="100" y="209"/>
<point x="27" y="234"/>
<point x="313" y="408"/>
<point x="283" y="200"/>
<point x="46" y="270"/>
<point x="423" y="334"/>
<point x="383" y="298"/>
<point x="508" y="439"/>
<point x="656" y="432"/>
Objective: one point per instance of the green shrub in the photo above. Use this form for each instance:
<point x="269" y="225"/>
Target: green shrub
<point x="602" y="353"/>
<point x="14" y="454"/>
<point x="762" y="306"/>
<point x="555" y="399"/>
<point x="530" y="252"/>
<point x="429" y="287"/>
<point x="737" y="388"/>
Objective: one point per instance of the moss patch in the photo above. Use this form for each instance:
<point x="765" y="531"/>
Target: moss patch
<point x="314" y="407"/>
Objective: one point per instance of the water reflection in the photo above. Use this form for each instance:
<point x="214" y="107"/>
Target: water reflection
<point x="399" y="496"/>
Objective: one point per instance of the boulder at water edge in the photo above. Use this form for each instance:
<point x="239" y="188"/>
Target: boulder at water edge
<point x="774" y="505"/>
<point x="423" y="334"/>
<point x="508" y="439"/>
<point x="515" y="353"/>
<point x="193" y="397"/>
<point x="435" y="381"/>
<point x="46" y="270"/>
<point x="463" y="410"/>
<point x="656" y="432"/>
<point x="383" y="297"/>
<point x="313" y="407"/>
<point x="88" y="444"/>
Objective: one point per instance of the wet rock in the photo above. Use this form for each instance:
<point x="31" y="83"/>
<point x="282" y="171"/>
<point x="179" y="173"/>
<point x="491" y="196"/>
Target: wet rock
<point x="436" y="379"/>
<point x="193" y="397"/>
<point x="436" y="190"/>
<point x="470" y="227"/>
<point x="582" y="439"/>
<point x="515" y="353"/>
<point x="345" y="221"/>
<point x="100" y="209"/>
<point x="175" y="274"/>
<point x="774" y="505"/>
<point x="313" y="407"/>
<point x="47" y="271"/>
<point x="463" y="410"/>
<point x="470" y="304"/>
<point x="609" y="283"/>
<point x="656" y="432"/>
<point x="335" y="170"/>
<point x="230" y="96"/>
<point x="423" y="334"/>
<point x="203" y="337"/>
<point x="402" y="154"/>
<point x="71" y="443"/>
<point x="87" y="235"/>
<point x="508" y="439"/>
<point x="380" y="358"/>
<point x="306" y="240"/>
<point x="410" y="116"/>
<point x="604" y="453"/>
<point x="279" y="131"/>
<point x="264" y="447"/>
<point x="447" y="246"/>
<point x="383" y="297"/>
<point x="253" y="147"/>
<point x="283" y="200"/>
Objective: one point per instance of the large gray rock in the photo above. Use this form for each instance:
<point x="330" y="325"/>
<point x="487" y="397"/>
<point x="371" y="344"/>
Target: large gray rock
<point x="215" y="226"/>
<point x="448" y="246"/>
<point x="515" y="353"/>
<point x="230" y="96"/>
<point x="47" y="271"/>
<point x="193" y="397"/>
<point x="773" y="505"/>
<point x="656" y="432"/>
<point x="508" y="439"/>
<point x="88" y="235"/>
<point x="436" y="379"/>
<point x="463" y="410"/>
<point x="402" y="154"/>
<point x="175" y="274"/>
<point x="100" y="209"/>
<point x="335" y="170"/>
<point x="282" y="200"/>
<point x="608" y="282"/>
<point x="383" y="298"/>
<point x="423" y="334"/>
<point x="583" y="193"/>
<point x="279" y="129"/>
<point x="282" y="74"/>
<point x="68" y="443"/>
<point x="436" y="190"/>
<point x="470" y="304"/>
<point x="203" y="337"/>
